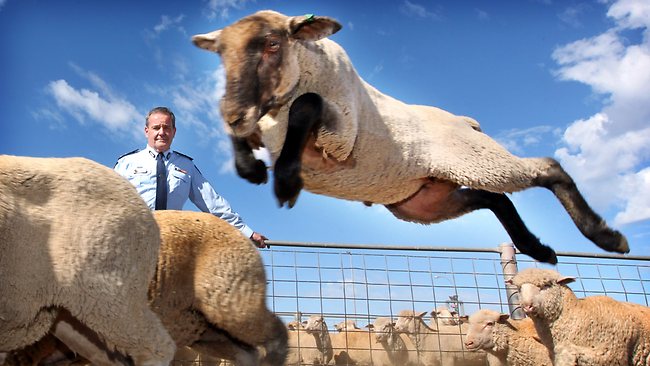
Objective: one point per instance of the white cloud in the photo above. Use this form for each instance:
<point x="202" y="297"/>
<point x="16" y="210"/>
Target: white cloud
<point x="222" y="8"/>
<point x="608" y="154"/>
<point x="103" y="107"/>
<point x="166" y="23"/>
<point x="516" y="140"/>
<point x="411" y="9"/>
<point x="481" y="14"/>
<point x="571" y="14"/>
<point x="84" y="103"/>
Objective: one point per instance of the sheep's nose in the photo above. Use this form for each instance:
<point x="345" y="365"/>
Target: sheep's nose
<point x="469" y="343"/>
<point x="528" y="308"/>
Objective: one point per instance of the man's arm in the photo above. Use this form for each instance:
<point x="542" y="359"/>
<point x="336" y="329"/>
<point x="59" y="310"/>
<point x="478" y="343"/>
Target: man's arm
<point x="207" y="199"/>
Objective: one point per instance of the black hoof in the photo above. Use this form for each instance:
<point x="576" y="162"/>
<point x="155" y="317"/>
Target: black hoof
<point x="611" y="241"/>
<point x="287" y="190"/>
<point x="255" y="174"/>
<point x="541" y="253"/>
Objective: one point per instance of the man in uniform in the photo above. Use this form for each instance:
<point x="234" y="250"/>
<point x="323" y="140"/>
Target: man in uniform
<point x="165" y="179"/>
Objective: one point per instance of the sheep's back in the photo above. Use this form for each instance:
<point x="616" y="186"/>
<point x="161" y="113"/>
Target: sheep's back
<point x="73" y="232"/>
<point x="207" y="264"/>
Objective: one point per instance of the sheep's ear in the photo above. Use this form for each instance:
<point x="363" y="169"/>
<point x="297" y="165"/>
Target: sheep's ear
<point x="422" y="314"/>
<point x="464" y="318"/>
<point x="207" y="41"/>
<point x="312" y="28"/>
<point x="566" y="280"/>
<point x="370" y="326"/>
<point x="503" y="318"/>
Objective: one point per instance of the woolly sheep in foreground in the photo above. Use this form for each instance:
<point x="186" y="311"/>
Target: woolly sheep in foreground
<point x="296" y="93"/>
<point x="79" y="249"/>
<point x="592" y="331"/>
<point x="507" y="342"/>
<point x="210" y="290"/>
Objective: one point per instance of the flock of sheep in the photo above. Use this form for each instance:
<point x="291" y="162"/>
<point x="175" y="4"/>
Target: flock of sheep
<point x="560" y="330"/>
<point x="89" y="273"/>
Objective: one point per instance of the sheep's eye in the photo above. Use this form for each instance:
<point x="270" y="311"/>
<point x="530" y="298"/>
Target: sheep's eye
<point x="489" y="324"/>
<point x="272" y="45"/>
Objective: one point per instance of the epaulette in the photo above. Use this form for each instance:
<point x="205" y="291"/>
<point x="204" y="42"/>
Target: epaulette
<point x="129" y="153"/>
<point x="181" y="154"/>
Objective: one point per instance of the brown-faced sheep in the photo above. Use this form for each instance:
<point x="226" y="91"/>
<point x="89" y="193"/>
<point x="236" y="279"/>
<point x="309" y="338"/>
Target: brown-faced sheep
<point x="297" y="93"/>
<point x="79" y="249"/>
<point x="507" y="342"/>
<point x="210" y="290"/>
<point x="592" y="331"/>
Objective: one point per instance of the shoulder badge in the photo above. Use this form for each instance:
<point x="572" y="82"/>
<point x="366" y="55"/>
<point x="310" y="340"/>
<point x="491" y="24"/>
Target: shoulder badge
<point x="181" y="154"/>
<point x="129" y="153"/>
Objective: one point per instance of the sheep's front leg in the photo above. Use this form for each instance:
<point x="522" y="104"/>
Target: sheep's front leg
<point x="304" y="114"/>
<point x="248" y="167"/>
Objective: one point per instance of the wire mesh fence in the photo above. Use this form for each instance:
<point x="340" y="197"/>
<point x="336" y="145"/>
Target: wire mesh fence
<point x="356" y="284"/>
<point x="363" y="282"/>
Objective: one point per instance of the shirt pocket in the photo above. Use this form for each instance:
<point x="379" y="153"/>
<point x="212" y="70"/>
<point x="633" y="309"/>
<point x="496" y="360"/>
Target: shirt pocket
<point x="140" y="176"/>
<point x="178" y="179"/>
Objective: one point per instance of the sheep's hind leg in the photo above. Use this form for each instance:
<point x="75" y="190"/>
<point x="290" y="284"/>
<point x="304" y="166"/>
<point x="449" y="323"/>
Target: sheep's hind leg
<point x="590" y="224"/>
<point x="84" y="341"/>
<point x="507" y="214"/>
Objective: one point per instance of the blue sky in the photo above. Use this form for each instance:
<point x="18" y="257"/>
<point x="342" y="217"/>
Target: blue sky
<point x="568" y="79"/>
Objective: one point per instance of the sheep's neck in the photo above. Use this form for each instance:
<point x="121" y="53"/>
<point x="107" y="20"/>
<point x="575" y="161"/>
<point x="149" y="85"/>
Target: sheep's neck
<point x="559" y="299"/>
<point x="500" y="340"/>
<point x="324" y="344"/>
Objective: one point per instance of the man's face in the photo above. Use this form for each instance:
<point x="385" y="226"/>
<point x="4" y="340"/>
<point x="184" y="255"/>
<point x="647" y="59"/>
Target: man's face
<point x="159" y="131"/>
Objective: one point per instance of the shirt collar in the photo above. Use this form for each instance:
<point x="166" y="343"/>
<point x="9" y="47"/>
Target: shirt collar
<point x="153" y="153"/>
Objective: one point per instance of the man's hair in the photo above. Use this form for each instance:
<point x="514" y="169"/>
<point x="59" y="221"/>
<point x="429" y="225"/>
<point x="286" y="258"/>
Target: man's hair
<point x="163" y="110"/>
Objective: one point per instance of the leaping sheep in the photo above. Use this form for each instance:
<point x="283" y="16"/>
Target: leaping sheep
<point x="290" y="89"/>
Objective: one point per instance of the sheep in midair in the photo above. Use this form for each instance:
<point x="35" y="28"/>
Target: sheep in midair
<point x="591" y="331"/>
<point x="79" y="248"/>
<point x="292" y="90"/>
<point x="507" y="342"/>
<point x="210" y="291"/>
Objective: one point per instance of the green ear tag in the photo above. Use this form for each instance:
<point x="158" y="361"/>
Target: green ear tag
<point x="309" y="18"/>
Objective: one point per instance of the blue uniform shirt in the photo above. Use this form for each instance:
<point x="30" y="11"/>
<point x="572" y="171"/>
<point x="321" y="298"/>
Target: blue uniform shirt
<point x="184" y="181"/>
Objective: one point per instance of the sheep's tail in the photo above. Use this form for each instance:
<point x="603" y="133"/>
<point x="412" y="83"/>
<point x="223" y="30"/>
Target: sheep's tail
<point x="276" y="345"/>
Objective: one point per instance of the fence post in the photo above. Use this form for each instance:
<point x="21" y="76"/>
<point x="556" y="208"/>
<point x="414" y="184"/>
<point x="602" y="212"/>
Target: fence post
<point x="509" y="266"/>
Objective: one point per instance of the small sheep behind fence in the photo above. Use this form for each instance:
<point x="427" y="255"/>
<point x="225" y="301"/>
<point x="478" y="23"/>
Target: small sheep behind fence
<point x="358" y="284"/>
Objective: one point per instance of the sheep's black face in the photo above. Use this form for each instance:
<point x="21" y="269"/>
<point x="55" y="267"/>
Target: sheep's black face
<point x="261" y="66"/>
<point x="259" y="72"/>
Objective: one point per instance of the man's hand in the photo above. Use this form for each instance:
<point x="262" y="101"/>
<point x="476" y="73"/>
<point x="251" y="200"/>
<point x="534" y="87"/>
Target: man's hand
<point x="258" y="239"/>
